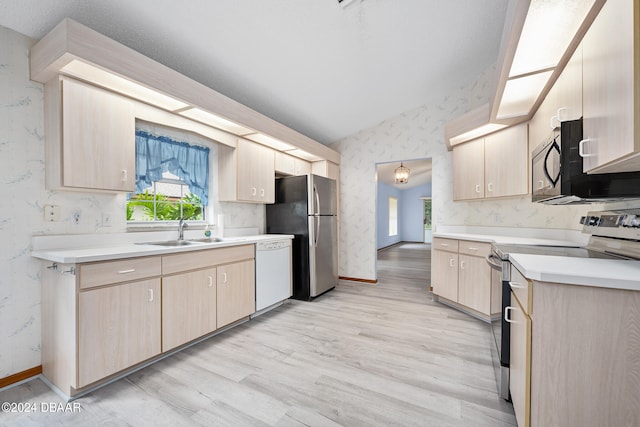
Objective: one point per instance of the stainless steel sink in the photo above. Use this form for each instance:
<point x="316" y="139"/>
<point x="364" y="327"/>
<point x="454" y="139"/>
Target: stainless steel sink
<point x="184" y="242"/>
<point x="174" y="243"/>
<point x="206" y="240"/>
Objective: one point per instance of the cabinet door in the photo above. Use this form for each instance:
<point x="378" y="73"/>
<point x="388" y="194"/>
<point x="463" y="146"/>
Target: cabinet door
<point x="97" y="126"/>
<point x="285" y="163"/>
<point x="568" y="89"/>
<point x="506" y="160"/>
<point x="474" y="283"/>
<point x="119" y="326"/>
<point x="301" y="167"/>
<point x="468" y="170"/>
<point x="520" y="362"/>
<point x="255" y="172"/>
<point x="611" y="75"/>
<point x="188" y="307"/>
<point x="236" y="292"/>
<point x="445" y="274"/>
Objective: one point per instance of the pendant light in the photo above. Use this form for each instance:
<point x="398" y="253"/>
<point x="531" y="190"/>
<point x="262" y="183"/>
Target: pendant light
<point x="401" y="174"/>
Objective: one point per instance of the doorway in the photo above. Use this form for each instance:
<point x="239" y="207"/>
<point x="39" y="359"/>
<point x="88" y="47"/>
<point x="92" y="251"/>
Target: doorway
<point x="427" y="220"/>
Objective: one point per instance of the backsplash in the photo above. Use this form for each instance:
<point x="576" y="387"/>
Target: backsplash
<point x="24" y="196"/>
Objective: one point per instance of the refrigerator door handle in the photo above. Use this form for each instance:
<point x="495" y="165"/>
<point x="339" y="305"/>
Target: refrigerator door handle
<point x="316" y="210"/>
<point x="316" y="218"/>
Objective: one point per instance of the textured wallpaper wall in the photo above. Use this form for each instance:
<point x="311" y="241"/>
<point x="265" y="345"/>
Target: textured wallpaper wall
<point x="417" y="134"/>
<point x="23" y="197"/>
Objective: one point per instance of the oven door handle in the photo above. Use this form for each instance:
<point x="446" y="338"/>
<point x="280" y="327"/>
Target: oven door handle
<point x="494" y="262"/>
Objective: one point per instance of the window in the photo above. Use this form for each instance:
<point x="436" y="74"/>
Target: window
<point x="171" y="180"/>
<point x="393" y="216"/>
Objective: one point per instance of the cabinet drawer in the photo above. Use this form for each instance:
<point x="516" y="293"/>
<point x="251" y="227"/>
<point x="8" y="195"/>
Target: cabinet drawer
<point x="177" y="263"/>
<point x="450" y="245"/>
<point x="522" y="289"/>
<point x="480" y="249"/>
<point x="109" y="272"/>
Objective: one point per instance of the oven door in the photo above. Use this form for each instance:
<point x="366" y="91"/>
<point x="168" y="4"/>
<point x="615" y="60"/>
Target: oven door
<point x="500" y="329"/>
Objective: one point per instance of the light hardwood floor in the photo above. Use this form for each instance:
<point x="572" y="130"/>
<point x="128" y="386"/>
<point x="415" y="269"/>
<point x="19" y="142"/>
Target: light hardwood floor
<point x="360" y="355"/>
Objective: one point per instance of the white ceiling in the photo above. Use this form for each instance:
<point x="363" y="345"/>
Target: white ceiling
<point x="321" y="69"/>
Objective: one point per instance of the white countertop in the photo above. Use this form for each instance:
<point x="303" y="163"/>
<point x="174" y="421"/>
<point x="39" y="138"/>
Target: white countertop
<point x="603" y="273"/>
<point x="76" y="255"/>
<point x="511" y="240"/>
<point x="607" y="273"/>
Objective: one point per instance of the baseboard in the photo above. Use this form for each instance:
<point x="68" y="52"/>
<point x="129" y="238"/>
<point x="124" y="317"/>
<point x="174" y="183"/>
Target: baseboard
<point x="355" y="279"/>
<point x="20" y="376"/>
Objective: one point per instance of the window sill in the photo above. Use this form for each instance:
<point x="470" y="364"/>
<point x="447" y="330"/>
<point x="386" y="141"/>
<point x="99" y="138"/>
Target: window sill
<point x="163" y="226"/>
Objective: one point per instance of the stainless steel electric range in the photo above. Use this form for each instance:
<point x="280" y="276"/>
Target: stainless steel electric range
<point x="614" y="235"/>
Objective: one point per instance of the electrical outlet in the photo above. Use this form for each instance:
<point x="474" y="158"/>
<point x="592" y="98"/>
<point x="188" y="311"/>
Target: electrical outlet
<point x="51" y="213"/>
<point x="106" y="219"/>
<point x="75" y="218"/>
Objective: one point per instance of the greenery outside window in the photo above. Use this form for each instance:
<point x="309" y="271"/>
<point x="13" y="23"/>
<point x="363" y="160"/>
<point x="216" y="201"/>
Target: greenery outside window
<point x="171" y="180"/>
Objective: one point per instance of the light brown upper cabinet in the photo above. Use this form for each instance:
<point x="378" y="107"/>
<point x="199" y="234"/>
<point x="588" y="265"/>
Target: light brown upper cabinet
<point x="611" y="72"/>
<point x="290" y="165"/>
<point x="493" y="166"/>
<point x="90" y="138"/>
<point x="246" y="173"/>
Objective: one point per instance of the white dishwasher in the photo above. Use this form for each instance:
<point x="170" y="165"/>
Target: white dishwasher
<point x="273" y="274"/>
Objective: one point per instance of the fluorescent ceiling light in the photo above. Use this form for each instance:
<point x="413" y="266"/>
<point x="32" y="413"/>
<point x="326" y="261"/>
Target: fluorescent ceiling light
<point x="100" y="77"/>
<point x="548" y="30"/>
<point x="476" y="133"/>
<point x="304" y="155"/>
<point x="274" y="143"/>
<point x="215" y="121"/>
<point x="520" y="94"/>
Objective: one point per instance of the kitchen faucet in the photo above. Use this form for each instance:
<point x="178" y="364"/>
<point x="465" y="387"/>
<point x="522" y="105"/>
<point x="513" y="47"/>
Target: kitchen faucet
<point x="181" y="226"/>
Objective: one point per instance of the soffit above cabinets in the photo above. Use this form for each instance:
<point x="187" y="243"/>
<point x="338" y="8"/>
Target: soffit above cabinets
<point x="538" y="39"/>
<point x="80" y="52"/>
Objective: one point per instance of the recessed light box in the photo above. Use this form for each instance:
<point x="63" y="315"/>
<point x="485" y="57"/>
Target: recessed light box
<point x="216" y="121"/>
<point x="274" y="143"/>
<point x="100" y="77"/>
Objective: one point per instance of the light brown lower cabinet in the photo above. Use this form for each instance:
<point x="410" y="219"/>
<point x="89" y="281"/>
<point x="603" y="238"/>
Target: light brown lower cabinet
<point x="111" y="316"/>
<point x="236" y="291"/>
<point x="520" y="361"/>
<point x="575" y="360"/>
<point x="119" y="328"/>
<point x="188" y="307"/>
<point x="460" y="275"/>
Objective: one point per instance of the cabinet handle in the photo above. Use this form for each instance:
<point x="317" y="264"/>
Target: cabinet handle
<point x="444" y="244"/>
<point x="131" y="270"/>
<point x="224" y="277"/>
<point x="210" y="281"/>
<point x="581" y="149"/>
<point x="150" y="295"/>
<point x="506" y="315"/>
<point x="124" y="175"/>
<point x="471" y="248"/>
<point x="262" y="192"/>
<point x="490" y="186"/>
<point x="254" y="191"/>
<point x="452" y="262"/>
<point x="478" y="188"/>
<point x="517" y="285"/>
<point x="462" y="265"/>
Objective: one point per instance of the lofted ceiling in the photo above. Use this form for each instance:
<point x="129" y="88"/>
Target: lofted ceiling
<point x="323" y="69"/>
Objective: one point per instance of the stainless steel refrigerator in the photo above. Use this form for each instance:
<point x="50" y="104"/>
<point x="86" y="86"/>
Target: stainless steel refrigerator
<point x="306" y="206"/>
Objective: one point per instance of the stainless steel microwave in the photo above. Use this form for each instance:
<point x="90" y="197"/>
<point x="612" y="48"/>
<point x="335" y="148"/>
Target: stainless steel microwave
<point x="557" y="177"/>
